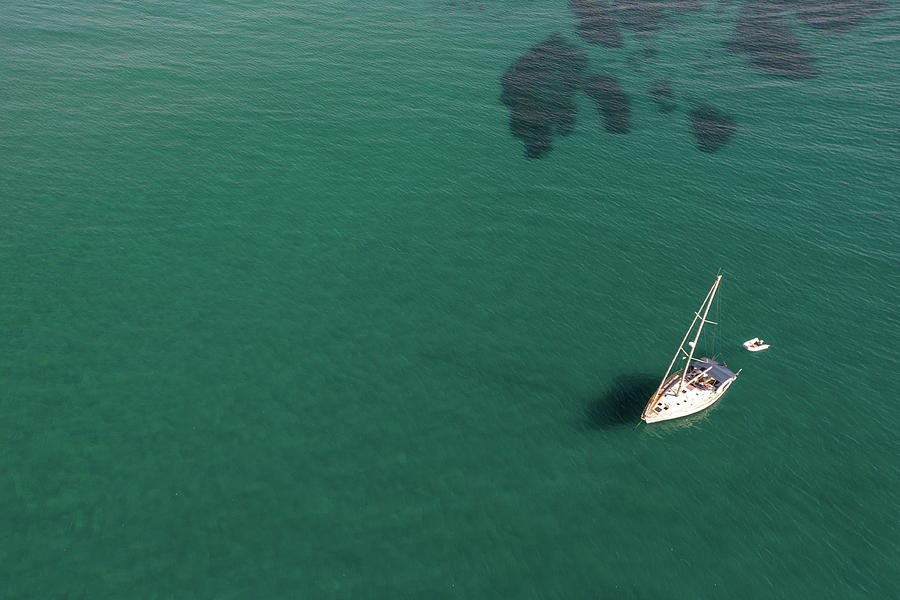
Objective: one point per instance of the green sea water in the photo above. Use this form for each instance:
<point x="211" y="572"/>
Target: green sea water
<point x="285" y="312"/>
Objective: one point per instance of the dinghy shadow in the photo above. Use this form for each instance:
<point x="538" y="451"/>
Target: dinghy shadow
<point x="622" y="403"/>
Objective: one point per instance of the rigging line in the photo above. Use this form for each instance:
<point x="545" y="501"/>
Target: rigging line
<point x="715" y="340"/>
<point x="707" y="320"/>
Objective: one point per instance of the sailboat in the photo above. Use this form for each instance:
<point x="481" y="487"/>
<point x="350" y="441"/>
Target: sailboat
<point x="699" y="383"/>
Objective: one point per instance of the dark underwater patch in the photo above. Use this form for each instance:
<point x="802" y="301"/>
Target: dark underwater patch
<point x="712" y="128"/>
<point x="597" y="22"/>
<point x="612" y="102"/>
<point x="640" y="16"/>
<point x="663" y="95"/>
<point x="770" y="43"/>
<point x="646" y="16"/>
<point x="539" y="88"/>
<point x="836" y="16"/>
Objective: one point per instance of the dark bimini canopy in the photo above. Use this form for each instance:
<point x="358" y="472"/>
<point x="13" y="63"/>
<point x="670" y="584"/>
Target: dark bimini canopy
<point x="717" y="370"/>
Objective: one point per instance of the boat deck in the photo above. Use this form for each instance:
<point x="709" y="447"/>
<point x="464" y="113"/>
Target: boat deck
<point x="699" y="392"/>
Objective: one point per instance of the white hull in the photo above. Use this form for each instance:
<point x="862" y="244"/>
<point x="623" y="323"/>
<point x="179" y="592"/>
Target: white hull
<point x="667" y="405"/>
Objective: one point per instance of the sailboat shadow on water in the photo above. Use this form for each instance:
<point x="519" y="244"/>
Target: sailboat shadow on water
<point x="622" y="403"/>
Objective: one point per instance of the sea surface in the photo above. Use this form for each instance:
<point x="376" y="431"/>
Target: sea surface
<point x="332" y="299"/>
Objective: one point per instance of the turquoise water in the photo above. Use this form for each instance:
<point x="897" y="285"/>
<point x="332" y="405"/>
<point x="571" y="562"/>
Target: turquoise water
<point x="287" y="313"/>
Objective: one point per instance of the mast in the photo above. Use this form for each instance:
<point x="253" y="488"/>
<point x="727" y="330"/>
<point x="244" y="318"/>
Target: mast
<point x="706" y="301"/>
<point x="693" y="344"/>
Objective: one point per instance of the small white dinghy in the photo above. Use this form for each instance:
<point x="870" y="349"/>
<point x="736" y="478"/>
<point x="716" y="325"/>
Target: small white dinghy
<point x="755" y="345"/>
